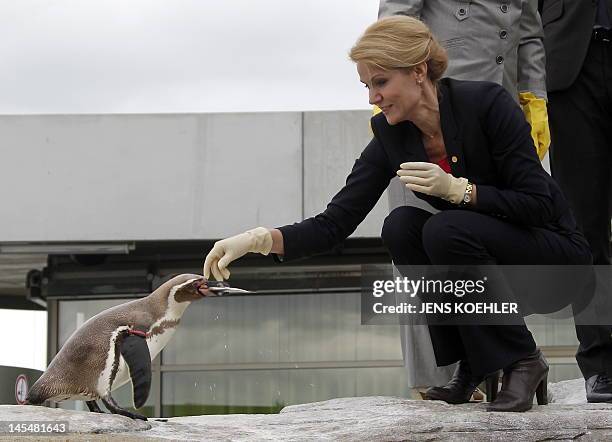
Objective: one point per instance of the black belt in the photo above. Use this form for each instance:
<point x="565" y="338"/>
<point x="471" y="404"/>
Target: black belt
<point x="602" y="34"/>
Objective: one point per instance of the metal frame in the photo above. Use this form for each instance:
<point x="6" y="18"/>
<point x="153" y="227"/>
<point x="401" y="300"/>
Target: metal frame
<point x="52" y="334"/>
<point x="57" y="248"/>
<point x="156" y="379"/>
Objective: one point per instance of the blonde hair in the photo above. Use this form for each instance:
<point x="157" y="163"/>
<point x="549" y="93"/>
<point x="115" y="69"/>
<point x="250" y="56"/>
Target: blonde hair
<point x="400" y="42"/>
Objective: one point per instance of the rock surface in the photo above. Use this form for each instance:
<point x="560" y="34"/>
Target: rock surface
<point x="354" y="419"/>
<point x="567" y="392"/>
<point x="79" y="422"/>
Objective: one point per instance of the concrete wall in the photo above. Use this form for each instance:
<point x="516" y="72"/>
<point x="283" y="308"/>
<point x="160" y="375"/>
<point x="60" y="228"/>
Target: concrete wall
<point x="184" y="176"/>
<point x="332" y="143"/>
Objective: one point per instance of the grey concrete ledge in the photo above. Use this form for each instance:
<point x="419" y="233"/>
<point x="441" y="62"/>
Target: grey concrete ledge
<point x="354" y="419"/>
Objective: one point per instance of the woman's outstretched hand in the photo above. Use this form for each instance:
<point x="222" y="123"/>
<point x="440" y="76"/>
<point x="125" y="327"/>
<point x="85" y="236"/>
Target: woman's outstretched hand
<point x="225" y="251"/>
<point x="429" y="178"/>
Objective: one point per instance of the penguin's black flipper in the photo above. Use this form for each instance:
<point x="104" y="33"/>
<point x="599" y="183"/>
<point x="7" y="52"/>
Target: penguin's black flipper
<point x="135" y="351"/>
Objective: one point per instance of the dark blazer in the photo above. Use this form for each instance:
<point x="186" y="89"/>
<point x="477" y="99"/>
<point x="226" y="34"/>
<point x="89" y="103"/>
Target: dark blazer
<point x="487" y="140"/>
<point x="568" y="25"/>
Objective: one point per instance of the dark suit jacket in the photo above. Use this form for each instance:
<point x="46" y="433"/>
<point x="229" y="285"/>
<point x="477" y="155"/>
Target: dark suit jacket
<point x="568" y="25"/>
<point x="486" y="131"/>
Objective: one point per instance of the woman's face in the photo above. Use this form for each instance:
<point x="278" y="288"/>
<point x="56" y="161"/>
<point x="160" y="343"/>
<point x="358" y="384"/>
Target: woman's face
<point x="396" y="92"/>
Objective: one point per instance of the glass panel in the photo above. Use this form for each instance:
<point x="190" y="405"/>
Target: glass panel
<point x="550" y="332"/>
<point x="268" y="391"/>
<point x="280" y="328"/>
<point x="563" y="372"/>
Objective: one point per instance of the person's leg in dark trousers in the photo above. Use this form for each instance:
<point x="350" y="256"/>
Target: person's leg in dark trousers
<point x="581" y="161"/>
<point x="466" y="237"/>
<point x="402" y="233"/>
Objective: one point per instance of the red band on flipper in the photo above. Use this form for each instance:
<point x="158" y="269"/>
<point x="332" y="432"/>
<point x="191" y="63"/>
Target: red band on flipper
<point x="138" y="333"/>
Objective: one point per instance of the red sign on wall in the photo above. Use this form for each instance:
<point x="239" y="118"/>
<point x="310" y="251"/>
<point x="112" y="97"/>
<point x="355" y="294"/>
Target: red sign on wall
<point x="21" y="389"/>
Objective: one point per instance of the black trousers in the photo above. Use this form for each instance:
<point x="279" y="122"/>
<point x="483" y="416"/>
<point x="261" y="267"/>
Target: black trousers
<point x="416" y="237"/>
<point x="580" y="120"/>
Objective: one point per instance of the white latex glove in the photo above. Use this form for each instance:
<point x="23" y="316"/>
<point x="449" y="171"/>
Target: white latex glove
<point x="257" y="240"/>
<point x="429" y="178"/>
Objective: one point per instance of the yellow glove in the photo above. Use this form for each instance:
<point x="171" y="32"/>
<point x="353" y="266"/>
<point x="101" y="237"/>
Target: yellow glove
<point x="536" y="115"/>
<point x="375" y="110"/>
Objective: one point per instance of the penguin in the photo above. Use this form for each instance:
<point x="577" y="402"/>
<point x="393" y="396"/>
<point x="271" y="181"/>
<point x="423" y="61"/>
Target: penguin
<point x="117" y="345"/>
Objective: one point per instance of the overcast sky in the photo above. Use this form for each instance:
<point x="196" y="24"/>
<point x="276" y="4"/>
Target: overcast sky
<point x="149" y="56"/>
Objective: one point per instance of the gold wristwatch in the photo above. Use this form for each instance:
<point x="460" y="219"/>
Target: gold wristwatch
<point x="467" y="196"/>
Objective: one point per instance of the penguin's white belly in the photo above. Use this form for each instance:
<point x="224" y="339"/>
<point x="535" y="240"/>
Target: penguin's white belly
<point x="155" y="343"/>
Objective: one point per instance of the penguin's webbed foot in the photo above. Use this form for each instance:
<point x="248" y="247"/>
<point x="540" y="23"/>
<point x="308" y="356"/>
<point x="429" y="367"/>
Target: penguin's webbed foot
<point x="116" y="409"/>
<point x="94" y="407"/>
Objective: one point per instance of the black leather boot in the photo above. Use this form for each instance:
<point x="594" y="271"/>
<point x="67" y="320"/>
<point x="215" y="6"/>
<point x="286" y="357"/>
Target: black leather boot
<point x="461" y="386"/>
<point x="599" y="388"/>
<point x="521" y="381"/>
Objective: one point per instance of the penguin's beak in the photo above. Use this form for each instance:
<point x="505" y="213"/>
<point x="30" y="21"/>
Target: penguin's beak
<point x="221" y="288"/>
